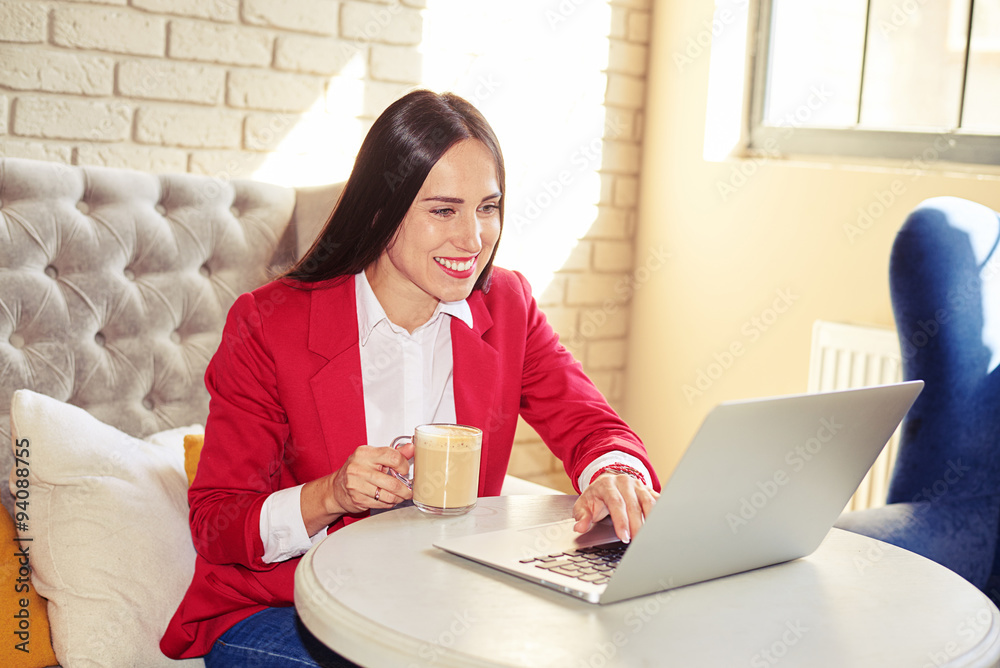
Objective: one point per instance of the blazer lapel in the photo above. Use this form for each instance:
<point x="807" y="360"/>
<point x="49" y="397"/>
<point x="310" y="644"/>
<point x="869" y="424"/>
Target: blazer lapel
<point x="476" y="365"/>
<point x="336" y="385"/>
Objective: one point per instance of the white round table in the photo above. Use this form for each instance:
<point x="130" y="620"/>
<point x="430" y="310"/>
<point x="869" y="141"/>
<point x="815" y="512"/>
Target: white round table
<point x="380" y="594"/>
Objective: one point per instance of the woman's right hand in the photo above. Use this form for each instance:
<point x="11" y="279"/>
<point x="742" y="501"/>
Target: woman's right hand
<point x="362" y="483"/>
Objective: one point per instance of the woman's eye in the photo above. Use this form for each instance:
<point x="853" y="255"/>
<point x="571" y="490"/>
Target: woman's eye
<point x="490" y="208"/>
<point x="443" y="212"/>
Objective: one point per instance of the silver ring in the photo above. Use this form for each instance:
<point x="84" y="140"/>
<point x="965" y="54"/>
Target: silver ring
<point x="378" y="490"/>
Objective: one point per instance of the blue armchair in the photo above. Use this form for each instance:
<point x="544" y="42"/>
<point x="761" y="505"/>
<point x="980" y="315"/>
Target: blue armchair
<point x="944" y="496"/>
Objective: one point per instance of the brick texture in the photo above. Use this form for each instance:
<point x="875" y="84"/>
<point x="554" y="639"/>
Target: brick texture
<point x="109" y="29"/>
<point x="196" y="128"/>
<point x="71" y="119"/>
<point x="40" y="69"/>
<point x="216" y="10"/>
<point x="22" y="22"/>
<point x="277" y="91"/>
<point x="388" y="23"/>
<point x="219" y="43"/>
<point x="36" y="150"/>
<point x="316" y="55"/>
<point x="317" y="16"/>
<point x="395" y="63"/>
<point x="165" y="80"/>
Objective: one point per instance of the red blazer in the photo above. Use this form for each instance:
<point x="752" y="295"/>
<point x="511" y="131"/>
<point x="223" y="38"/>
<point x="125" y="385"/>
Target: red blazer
<point x="287" y="407"/>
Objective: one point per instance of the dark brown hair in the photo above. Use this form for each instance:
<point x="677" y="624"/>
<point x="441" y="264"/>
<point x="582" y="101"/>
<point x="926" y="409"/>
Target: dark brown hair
<point x="404" y="143"/>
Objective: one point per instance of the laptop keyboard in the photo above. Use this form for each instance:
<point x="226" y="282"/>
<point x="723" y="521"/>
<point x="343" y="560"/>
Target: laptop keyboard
<point x="589" y="564"/>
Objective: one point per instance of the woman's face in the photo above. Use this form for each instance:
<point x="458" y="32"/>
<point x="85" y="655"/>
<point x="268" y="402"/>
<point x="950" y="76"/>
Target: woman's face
<point x="445" y="239"/>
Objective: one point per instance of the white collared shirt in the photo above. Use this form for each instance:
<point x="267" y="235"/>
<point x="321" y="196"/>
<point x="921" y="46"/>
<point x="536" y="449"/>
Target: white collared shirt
<point x="398" y="369"/>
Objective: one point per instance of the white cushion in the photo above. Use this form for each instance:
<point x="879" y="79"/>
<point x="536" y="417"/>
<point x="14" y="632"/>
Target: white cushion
<point x="111" y="549"/>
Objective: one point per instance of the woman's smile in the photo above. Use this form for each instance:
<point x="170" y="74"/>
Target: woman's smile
<point x="458" y="267"/>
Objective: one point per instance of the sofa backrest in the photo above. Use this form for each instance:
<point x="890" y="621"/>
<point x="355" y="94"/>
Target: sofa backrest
<point x="115" y="284"/>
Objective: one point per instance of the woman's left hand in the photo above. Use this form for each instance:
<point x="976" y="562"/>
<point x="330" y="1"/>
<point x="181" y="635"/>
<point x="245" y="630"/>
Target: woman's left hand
<point x="623" y="497"/>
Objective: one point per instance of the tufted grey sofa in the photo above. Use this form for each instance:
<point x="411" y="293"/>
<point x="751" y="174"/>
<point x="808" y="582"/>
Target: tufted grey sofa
<point x="115" y="284"/>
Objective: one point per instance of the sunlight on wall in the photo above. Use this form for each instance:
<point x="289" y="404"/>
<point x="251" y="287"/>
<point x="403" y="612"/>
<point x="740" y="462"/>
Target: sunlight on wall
<point x="727" y="38"/>
<point x="538" y="76"/>
<point x="536" y="73"/>
<point x="319" y="147"/>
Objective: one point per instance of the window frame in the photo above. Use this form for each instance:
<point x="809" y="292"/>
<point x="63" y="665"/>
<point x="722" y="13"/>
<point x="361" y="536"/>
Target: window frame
<point x="916" y="148"/>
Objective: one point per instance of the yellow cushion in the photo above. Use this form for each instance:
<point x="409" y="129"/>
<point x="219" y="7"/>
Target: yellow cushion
<point x="25" y="623"/>
<point x="192" y="453"/>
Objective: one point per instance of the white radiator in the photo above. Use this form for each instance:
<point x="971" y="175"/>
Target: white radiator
<point x="846" y="356"/>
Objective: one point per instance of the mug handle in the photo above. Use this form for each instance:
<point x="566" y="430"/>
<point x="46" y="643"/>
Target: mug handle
<point x="396" y="443"/>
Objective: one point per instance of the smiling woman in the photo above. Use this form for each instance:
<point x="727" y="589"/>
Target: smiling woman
<point x="396" y="317"/>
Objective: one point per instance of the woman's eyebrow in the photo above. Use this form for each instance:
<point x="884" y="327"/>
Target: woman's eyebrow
<point x="457" y="200"/>
<point x="442" y="198"/>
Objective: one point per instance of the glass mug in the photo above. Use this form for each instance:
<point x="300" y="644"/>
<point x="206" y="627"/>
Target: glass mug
<point x="445" y="467"/>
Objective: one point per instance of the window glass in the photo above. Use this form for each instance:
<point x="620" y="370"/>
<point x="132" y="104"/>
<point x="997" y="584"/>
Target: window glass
<point x="982" y="93"/>
<point x="913" y="70"/>
<point x="815" y="56"/>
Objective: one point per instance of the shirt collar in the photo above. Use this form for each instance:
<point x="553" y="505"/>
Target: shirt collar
<point x="371" y="313"/>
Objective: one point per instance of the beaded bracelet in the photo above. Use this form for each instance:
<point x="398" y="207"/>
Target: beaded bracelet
<point x="619" y="468"/>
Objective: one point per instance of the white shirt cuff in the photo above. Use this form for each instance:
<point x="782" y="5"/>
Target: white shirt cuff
<point x="608" y="458"/>
<point x="281" y="527"/>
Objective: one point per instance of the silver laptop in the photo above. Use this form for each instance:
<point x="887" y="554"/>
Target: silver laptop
<point x="762" y="483"/>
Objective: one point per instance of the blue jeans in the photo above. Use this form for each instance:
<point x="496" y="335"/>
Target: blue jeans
<point x="272" y="638"/>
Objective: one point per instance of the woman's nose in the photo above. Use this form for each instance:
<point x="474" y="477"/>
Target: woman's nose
<point x="468" y="236"/>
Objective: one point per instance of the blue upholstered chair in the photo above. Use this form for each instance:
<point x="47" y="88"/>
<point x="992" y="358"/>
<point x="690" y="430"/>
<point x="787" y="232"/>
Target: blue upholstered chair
<point x="944" y="496"/>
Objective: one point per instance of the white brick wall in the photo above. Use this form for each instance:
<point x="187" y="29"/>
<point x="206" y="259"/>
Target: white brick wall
<point x="188" y="127"/>
<point x="28" y="68"/>
<point x="22" y="22"/>
<point x="150" y="79"/>
<point x="119" y="30"/>
<point x="216" y="10"/>
<point x="67" y="118"/>
<point x="273" y="91"/>
<point x="208" y="86"/>
<point x="313" y="16"/>
<point x="228" y="87"/>
<point x="390" y="23"/>
<point x="218" y="43"/>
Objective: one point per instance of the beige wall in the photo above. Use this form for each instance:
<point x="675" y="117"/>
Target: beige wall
<point x="777" y="249"/>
